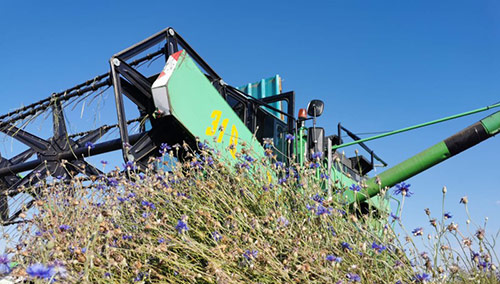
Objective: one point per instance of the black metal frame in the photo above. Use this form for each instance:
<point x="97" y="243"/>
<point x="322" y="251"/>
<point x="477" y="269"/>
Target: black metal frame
<point x="62" y="155"/>
<point x="373" y="156"/>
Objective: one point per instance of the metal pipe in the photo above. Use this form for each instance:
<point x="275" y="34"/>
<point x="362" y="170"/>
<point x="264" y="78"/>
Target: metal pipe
<point x="418" y="126"/>
<point x="453" y="145"/>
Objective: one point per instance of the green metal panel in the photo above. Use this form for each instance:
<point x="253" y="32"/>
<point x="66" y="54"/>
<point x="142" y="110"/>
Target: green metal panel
<point x="197" y="105"/>
<point x="492" y="123"/>
<point x="263" y="89"/>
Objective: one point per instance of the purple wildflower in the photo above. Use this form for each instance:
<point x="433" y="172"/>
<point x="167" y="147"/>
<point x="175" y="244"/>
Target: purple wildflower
<point x="355" y="187"/>
<point x="332" y="258"/>
<point x="250" y="254"/>
<point x="89" y="145"/>
<point x="112" y="182"/>
<point x="289" y="137"/>
<point x="448" y="215"/>
<point x="4" y="264"/>
<point x="129" y="166"/>
<point x="148" y="204"/>
<point x="278" y="165"/>
<point x="395" y="217"/>
<point x="181" y="227"/>
<point x="164" y="147"/>
<point x="314" y="165"/>
<point x="316" y="155"/>
<point x="346" y="246"/>
<point x="403" y="189"/>
<point x="216" y="236"/>
<point x="64" y="227"/>
<point x="318" y="198"/>
<point x="40" y="271"/>
<point x="282" y="222"/>
<point x="353" y="277"/>
<point x="324" y="176"/>
<point x="322" y="210"/>
<point x="378" y="248"/>
<point x="418" y="231"/>
<point x="248" y="158"/>
<point x="421" y="278"/>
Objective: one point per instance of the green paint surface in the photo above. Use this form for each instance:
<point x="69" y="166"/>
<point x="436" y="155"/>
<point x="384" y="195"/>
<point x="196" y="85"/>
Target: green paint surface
<point x="193" y="101"/>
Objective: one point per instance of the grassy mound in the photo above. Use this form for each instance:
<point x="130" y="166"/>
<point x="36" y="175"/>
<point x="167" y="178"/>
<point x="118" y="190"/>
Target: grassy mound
<point x="212" y="221"/>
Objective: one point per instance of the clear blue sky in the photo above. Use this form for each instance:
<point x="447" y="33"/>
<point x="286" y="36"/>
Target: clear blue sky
<point x="377" y="65"/>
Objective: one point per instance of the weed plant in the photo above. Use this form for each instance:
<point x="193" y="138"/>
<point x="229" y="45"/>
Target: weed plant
<point x="209" y="220"/>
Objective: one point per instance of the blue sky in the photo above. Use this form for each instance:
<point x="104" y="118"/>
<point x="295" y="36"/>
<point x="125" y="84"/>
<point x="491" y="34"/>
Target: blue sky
<point x="377" y="65"/>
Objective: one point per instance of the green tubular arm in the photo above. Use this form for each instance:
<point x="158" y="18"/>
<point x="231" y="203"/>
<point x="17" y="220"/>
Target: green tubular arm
<point x="443" y="150"/>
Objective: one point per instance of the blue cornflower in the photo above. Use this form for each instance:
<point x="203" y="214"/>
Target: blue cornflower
<point x="103" y="162"/>
<point x="64" y="227"/>
<point x="181" y="227"/>
<point x="129" y="166"/>
<point x="161" y="240"/>
<point x="324" y="176"/>
<point x="89" y="145"/>
<point x="448" y="215"/>
<point x="418" y="231"/>
<point x="131" y="195"/>
<point x="122" y="199"/>
<point x="332" y="230"/>
<point x="403" y="189"/>
<point x="321" y="210"/>
<point x="208" y="160"/>
<point x="140" y="276"/>
<point x="318" y="198"/>
<point x="314" y="165"/>
<point x="395" y="217"/>
<point x="289" y="137"/>
<point x="421" y="278"/>
<point x="316" y="155"/>
<point x="332" y="257"/>
<point x="4" y="264"/>
<point x="216" y="236"/>
<point x="41" y="271"/>
<point x="483" y="265"/>
<point x="202" y="146"/>
<point x="378" y="248"/>
<point x="112" y="182"/>
<point x="355" y="187"/>
<point x="353" y="277"/>
<point x="148" y="204"/>
<point x="281" y="180"/>
<point x="278" y="165"/>
<point x="346" y="246"/>
<point x="250" y="254"/>
<point x="282" y="222"/>
<point x="244" y="165"/>
<point x="197" y="164"/>
<point x="248" y="158"/>
<point x="474" y="256"/>
<point x="164" y="147"/>
<point x="127" y="237"/>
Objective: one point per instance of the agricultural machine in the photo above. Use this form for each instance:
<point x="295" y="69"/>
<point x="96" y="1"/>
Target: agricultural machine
<point x="188" y="102"/>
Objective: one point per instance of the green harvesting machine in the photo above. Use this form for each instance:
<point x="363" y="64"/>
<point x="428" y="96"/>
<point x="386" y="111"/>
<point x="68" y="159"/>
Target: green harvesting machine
<point x="187" y="102"/>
